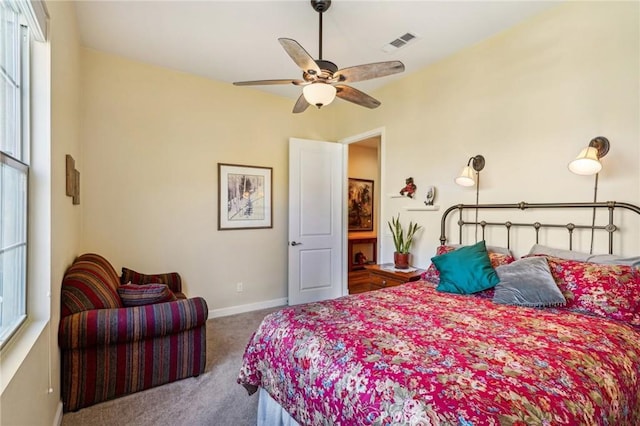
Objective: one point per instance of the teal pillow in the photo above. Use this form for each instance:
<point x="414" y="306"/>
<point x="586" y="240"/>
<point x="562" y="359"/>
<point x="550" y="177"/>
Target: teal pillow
<point x="466" y="270"/>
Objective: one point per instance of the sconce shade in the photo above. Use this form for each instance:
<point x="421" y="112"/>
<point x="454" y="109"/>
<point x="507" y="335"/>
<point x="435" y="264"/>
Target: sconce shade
<point x="319" y="94"/>
<point x="466" y="177"/>
<point x="586" y="163"/>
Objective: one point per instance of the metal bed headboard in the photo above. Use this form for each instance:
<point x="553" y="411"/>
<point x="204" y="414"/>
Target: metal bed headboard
<point x="610" y="227"/>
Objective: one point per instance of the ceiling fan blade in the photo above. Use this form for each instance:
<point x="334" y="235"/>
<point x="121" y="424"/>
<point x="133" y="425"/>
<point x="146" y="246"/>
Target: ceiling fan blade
<point x="268" y="82"/>
<point x="301" y="105"/>
<point x="369" y="71"/>
<point x="350" y="94"/>
<point x="300" y="56"/>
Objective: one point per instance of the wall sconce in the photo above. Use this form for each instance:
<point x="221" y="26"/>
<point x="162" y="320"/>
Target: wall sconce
<point x="588" y="163"/>
<point x="469" y="176"/>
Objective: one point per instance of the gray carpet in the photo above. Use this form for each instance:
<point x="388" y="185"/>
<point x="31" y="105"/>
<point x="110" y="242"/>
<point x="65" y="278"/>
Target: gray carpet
<point x="213" y="398"/>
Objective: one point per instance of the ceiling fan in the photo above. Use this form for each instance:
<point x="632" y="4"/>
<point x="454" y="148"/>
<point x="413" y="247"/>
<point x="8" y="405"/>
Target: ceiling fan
<point x="322" y="80"/>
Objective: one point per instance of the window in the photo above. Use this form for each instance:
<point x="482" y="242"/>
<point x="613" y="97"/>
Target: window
<point x="14" y="169"/>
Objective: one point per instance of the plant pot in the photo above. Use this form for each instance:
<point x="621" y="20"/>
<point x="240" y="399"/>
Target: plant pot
<point x="401" y="260"/>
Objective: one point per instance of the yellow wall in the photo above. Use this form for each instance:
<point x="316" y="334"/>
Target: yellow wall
<point x="152" y="139"/>
<point x="65" y="139"/>
<point x="528" y="100"/>
<point x="26" y="400"/>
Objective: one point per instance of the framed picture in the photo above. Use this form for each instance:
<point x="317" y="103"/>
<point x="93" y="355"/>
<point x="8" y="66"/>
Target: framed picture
<point x="244" y="197"/>
<point x="360" y="205"/>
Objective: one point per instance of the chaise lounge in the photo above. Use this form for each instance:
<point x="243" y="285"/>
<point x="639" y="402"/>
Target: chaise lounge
<point x="120" y="338"/>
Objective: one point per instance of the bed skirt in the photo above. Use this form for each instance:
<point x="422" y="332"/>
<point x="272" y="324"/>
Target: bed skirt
<point x="270" y="413"/>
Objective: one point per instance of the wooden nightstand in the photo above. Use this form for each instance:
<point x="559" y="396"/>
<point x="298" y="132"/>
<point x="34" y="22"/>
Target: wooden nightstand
<point x="381" y="278"/>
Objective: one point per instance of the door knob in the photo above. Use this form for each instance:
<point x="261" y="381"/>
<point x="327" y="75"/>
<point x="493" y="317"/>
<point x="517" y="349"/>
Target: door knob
<point x="293" y="243"/>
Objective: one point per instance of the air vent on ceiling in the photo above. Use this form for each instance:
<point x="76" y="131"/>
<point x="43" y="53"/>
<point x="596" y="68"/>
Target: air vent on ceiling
<point x="400" y="42"/>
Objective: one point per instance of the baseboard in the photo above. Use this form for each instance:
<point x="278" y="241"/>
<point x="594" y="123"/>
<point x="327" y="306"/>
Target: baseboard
<point x="240" y="309"/>
<point x="57" y="421"/>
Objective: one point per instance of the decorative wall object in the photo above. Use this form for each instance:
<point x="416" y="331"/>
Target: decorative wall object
<point x="71" y="166"/>
<point x="76" y="186"/>
<point x="360" y="204"/>
<point x="244" y="197"/>
<point x="72" y="180"/>
<point x="430" y="196"/>
<point x="409" y="188"/>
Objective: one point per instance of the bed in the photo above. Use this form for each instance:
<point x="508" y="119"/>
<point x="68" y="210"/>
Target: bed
<point x="417" y="355"/>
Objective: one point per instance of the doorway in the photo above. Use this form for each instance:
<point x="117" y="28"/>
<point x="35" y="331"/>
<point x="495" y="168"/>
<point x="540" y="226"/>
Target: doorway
<point x="363" y="238"/>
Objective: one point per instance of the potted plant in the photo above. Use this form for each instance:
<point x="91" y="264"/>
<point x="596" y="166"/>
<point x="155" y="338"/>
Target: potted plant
<point x="402" y="241"/>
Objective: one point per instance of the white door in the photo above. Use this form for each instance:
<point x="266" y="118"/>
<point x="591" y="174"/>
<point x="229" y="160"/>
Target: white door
<point x="316" y="184"/>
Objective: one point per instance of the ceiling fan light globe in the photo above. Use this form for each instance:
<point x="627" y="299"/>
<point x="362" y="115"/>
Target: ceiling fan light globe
<point x="319" y="94"/>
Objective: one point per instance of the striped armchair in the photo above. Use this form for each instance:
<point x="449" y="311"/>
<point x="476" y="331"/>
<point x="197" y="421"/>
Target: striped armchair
<point x="109" y="350"/>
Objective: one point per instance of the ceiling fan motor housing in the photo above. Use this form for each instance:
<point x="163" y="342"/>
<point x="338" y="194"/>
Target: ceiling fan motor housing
<point x="327" y="67"/>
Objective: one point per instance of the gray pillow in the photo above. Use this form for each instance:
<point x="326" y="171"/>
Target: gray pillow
<point x="527" y="282"/>
<point x="586" y="257"/>
<point x="561" y="253"/>
<point x="611" y="259"/>
<point x="490" y="249"/>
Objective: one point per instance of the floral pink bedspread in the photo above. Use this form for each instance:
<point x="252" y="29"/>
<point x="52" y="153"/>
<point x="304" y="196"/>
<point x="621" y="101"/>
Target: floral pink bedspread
<point x="411" y="355"/>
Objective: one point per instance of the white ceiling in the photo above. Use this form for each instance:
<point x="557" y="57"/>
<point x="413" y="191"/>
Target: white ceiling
<point x="238" y="40"/>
